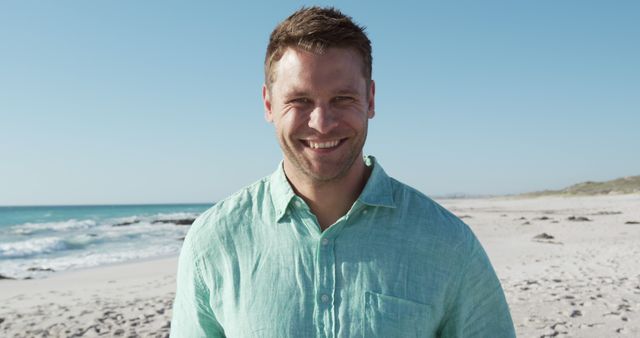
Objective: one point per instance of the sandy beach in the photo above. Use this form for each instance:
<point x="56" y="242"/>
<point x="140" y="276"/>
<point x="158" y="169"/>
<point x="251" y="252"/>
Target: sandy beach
<point x="581" y="279"/>
<point x="127" y="300"/>
<point x="570" y="267"/>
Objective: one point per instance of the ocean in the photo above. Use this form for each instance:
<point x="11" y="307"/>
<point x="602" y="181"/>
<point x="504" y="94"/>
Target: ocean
<point x="36" y="241"/>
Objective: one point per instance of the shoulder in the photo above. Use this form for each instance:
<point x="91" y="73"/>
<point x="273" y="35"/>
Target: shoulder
<point x="230" y="216"/>
<point x="429" y="218"/>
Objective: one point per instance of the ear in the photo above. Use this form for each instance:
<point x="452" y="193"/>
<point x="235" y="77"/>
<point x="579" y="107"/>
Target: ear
<point x="372" y="100"/>
<point x="266" y="100"/>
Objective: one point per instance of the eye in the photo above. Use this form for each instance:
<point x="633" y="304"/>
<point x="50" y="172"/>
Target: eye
<point x="300" y="101"/>
<point x="343" y="99"/>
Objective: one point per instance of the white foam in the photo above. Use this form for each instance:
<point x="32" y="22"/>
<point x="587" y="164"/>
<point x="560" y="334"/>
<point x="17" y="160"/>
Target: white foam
<point x="31" y="228"/>
<point x="175" y="215"/>
<point x="19" y="268"/>
<point x="31" y="247"/>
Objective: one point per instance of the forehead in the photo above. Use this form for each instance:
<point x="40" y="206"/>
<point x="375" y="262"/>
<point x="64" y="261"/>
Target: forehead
<point x="335" y="68"/>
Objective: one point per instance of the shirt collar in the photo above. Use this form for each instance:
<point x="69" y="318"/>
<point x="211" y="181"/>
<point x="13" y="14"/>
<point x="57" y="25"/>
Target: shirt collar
<point x="281" y="191"/>
<point x="377" y="192"/>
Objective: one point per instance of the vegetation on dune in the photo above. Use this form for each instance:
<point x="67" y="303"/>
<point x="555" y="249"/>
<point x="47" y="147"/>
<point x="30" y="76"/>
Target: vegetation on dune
<point x="624" y="185"/>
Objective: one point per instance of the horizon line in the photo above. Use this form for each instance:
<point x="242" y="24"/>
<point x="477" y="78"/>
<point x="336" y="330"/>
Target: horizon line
<point x="103" y="204"/>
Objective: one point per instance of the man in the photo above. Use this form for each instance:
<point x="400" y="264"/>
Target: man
<point x="329" y="245"/>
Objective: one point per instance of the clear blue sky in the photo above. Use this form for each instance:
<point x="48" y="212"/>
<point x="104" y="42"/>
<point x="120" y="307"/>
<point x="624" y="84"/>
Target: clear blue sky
<point x="158" y="101"/>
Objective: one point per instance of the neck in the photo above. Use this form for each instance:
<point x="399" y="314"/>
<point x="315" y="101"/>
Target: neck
<point x="330" y="200"/>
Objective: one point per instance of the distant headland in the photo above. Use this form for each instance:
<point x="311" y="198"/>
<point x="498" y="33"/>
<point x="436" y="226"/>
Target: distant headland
<point x="618" y="186"/>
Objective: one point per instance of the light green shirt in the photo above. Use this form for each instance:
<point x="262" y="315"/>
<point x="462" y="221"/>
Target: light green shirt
<point x="396" y="265"/>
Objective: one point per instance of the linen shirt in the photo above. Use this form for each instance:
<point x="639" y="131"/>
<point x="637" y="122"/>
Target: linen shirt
<point x="397" y="264"/>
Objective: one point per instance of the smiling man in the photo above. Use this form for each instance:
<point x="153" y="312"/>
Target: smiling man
<point x="320" y="102"/>
<point x="329" y="245"/>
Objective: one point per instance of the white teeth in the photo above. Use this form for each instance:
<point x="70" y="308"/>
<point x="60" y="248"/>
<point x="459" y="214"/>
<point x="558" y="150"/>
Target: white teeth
<point x="317" y="145"/>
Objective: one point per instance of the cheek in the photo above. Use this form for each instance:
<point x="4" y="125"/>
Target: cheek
<point x="284" y="128"/>
<point x="293" y="122"/>
<point x="356" y="120"/>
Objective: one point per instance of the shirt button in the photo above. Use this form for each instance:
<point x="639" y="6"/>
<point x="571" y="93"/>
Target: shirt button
<point x="324" y="298"/>
<point x="365" y="211"/>
<point x="298" y="204"/>
<point x="325" y="241"/>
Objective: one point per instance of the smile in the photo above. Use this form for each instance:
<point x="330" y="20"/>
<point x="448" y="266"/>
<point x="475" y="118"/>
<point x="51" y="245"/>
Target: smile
<point x="322" y="145"/>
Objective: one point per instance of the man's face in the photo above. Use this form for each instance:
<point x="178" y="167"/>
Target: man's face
<point x="319" y="106"/>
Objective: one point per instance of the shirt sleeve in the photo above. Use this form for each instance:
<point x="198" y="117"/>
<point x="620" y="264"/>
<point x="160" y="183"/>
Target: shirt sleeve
<point x="192" y="313"/>
<point x="479" y="307"/>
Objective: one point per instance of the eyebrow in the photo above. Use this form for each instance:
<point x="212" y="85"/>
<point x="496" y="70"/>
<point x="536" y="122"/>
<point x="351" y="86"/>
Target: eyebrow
<point x="342" y="91"/>
<point x="296" y="93"/>
<point x="347" y="91"/>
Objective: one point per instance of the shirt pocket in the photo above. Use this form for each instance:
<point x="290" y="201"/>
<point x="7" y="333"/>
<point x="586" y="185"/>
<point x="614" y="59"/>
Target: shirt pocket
<point x="388" y="316"/>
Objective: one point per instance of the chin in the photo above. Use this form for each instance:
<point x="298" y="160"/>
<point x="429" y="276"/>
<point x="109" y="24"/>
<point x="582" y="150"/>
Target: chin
<point x="326" y="172"/>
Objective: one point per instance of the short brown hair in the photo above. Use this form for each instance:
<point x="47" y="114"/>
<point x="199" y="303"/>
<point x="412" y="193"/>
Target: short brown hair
<point x="315" y="29"/>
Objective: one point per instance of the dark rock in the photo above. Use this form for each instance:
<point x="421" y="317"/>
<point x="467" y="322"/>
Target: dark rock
<point x="575" y="313"/>
<point x="526" y="223"/>
<point x="543" y="218"/>
<point x="558" y="324"/>
<point x="37" y="268"/>
<point x="5" y="277"/>
<point x="579" y="219"/>
<point x="543" y="235"/>
<point x="465" y="216"/>
<point x="124" y="224"/>
<point x="608" y="213"/>
<point x="631" y="222"/>
<point x="183" y="221"/>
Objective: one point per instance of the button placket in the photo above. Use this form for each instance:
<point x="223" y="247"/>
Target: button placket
<point x="326" y="285"/>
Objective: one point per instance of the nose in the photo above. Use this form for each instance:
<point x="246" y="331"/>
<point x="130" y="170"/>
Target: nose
<point x="322" y="119"/>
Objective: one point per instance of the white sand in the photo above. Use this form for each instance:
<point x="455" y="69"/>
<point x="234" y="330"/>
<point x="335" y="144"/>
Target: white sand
<point x="121" y="300"/>
<point x="585" y="282"/>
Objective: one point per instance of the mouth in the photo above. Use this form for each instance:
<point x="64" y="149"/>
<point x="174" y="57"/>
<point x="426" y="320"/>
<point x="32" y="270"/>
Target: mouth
<point x="324" y="145"/>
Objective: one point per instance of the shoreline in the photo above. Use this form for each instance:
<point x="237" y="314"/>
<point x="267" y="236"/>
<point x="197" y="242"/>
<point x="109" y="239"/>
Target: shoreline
<point x="54" y="274"/>
<point x="129" y="273"/>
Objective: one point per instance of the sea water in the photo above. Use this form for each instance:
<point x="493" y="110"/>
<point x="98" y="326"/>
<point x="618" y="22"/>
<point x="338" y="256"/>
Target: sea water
<point x="40" y="240"/>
